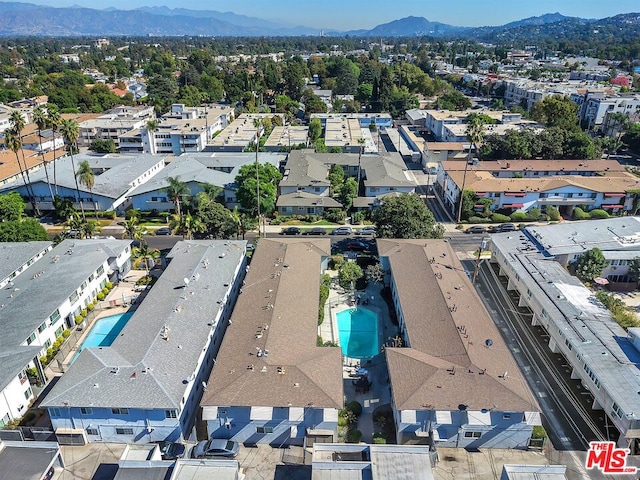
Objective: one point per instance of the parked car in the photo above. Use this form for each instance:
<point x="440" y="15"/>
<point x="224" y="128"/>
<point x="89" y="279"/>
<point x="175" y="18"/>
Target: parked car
<point x="342" y="231"/>
<point x="290" y="231"/>
<point x="163" y="231"/>
<point x="49" y="474"/>
<point x="476" y="229"/>
<point x="215" y="448"/>
<point x="370" y="230"/>
<point x="357" y="246"/>
<point x="171" y="450"/>
<point x="315" y="231"/>
<point x="250" y="247"/>
<point x="505" y="227"/>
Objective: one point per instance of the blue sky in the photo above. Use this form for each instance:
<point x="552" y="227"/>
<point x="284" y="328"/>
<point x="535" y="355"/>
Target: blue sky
<point x="354" y="14"/>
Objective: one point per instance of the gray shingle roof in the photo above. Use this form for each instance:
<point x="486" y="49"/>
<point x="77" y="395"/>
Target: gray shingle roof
<point x="26" y="460"/>
<point x="385" y="171"/>
<point x="46" y="284"/>
<point x="305" y="171"/>
<point x="14" y="255"/>
<point x="120" y="171"/>
<point x="13" y="361"/>
<point x="278" y="313"/>
<point x="217" y="169"/>
<point x="304" y="199"/>
<point x="447" y="326"/>
<point x="152" y="370"/>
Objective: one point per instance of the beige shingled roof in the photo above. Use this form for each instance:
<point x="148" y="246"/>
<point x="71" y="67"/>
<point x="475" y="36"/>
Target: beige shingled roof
<point x="448" y="362"/>
<point x="536" y="165"/>
<point x="484" y="181"/>
<point x="278" y="312"/>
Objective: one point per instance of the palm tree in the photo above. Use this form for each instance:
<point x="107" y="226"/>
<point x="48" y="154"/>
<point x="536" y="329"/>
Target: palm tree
<point x="71" y="131"/>
<point x="152" y="126"/>
<point x="475" y="133"/>
<point x="90" y="228"/>
<point x="87" y="178"/>
<point x="187" y="225"/>
<point x="144" y="253"/>
<point x="133" y="230"/>
<point x="13" y="143"/>
<point x="41" y="119"/>
<point x="54" y="121"/>
<point x="175" y="190"/>
<point x="17" y="122"/>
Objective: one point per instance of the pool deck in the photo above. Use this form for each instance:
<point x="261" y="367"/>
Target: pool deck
<point x="123" y="298"/>
<point x="380" y="392"/>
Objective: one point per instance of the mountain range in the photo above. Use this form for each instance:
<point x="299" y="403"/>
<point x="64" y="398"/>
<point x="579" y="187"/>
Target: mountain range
<point x="25" y="19"/>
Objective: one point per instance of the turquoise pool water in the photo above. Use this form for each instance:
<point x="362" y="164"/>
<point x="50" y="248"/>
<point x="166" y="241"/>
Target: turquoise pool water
<point x="358" y="333"/>
<point x="104" y="332"/>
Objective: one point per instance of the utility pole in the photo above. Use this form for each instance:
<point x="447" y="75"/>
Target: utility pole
<point x="483" y="245"/>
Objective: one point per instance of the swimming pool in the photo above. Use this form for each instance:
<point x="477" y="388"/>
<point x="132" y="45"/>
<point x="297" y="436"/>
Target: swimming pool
<point x="358" y="333"/>
<point x="104" y="332"/>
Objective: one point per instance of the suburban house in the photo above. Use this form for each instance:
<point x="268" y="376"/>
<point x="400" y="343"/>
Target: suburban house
<point x="218" y="169"/>
<point x="375" y="462"/>
<point x="454" y="382"/>
<point x="271" y="383"/>
<point x="307" y="172"/>
<point x="115" y="176"/>
<point x="436" y="121"/>
<point x="525" y="184"/>
<point x="618" y="238"/>
<point x="146" y="385"/>
<point x="43" y="301"/>
<point x="182" y="130"/>
<point x="303" y="203"/>
<point x="599" y="352"/>
<point x="438" y="152"/>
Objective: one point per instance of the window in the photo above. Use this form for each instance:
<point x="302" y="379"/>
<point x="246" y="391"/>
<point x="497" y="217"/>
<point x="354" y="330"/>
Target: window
<point x="28" y="393"/>
<point x="100" y="270"/>
<point x="124" y="431"/>
<point x="42" y="327"/>
<point x="617" y="410"/>
<point x="54" y="412"/>
<point x="59" y="331"/>
<point x="506" y="416"/>
<point x="472" y="434"/>
<point x="264" y="429"/>
<point x="86" y="411"/>
<point x="54" y="317"/>
<point x="120" y="411"/>
<point x="73" y="297"/>
<point x="92" y="431"/>
<point x="170" y="414"/>
<point x="31" y="338"/>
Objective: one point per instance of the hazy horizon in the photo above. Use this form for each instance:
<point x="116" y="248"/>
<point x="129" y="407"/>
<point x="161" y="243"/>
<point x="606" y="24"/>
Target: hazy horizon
<point x="352" y="14"/>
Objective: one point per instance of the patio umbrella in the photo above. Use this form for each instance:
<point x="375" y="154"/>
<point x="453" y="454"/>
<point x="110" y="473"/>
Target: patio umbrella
<point x="601" y="281"/>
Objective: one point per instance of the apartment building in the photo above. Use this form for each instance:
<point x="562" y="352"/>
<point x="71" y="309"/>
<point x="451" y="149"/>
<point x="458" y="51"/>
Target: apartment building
<point x="43" y="301"/>
<point x="147" y="384"/>
<point x="113" y="124"/>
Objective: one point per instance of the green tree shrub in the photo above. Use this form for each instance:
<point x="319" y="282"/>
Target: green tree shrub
<point x="100" y="296"/>
<point x="355" y="407"/>
<point x="354" y="436"/>
<point x="553" y="213"/>
<point x="65" y="334"/>
<point x="580" y="214"/>
<point x="499" y="218"/>
<point x="335" y="215"/>
<point x="598" y="214"/>
<point x="79" y="319"/>
<point x="479" y="220"/>
<point x="589" y="264"/>
<point x="519" y="217"/>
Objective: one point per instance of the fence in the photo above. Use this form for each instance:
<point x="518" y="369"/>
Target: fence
<point x="57" y="364"/>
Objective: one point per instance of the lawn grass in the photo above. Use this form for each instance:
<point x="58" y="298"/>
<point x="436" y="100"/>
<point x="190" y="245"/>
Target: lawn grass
<point x="319" y="223"/>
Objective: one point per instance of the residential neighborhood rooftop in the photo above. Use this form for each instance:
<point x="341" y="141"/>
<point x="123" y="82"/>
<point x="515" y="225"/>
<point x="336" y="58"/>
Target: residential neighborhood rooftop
<point x="156" y="353"/>
<point x="456" y="355"/>
<point x="269" y="356"/>
<point x="537" y="165"/>
<point x="14" y="255"/>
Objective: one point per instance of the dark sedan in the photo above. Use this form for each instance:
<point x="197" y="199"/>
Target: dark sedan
<point x="315" y="231"/>
<point x="171" y="450"/>
<point x="357" y="246"/>
<point x="290" y="231"/>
